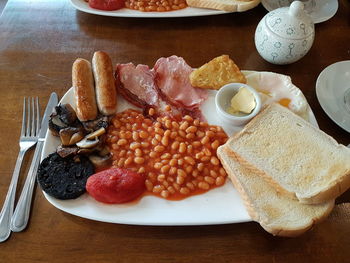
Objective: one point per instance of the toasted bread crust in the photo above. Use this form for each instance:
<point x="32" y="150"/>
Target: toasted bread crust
<point x="229" y="6"/>
<point x="216" y="73"/>
<point x="269" y="221"/>
<point x="335" y="189"/>
<point x="210" y="4"/>
<point x="267" y="178"/>
<point x="335" y="175"/>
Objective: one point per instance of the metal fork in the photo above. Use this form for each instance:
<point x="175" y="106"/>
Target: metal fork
<point x="29" y="137"/>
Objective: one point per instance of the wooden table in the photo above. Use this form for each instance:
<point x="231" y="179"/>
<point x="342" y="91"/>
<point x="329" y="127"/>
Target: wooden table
<point x="39" y="41"/>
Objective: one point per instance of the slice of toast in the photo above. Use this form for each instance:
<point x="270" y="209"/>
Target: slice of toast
<point x="293" y="156"/>
<point x="277" y="213"/>
<point x="216" y="73"/>
<point x="224" y="5"/>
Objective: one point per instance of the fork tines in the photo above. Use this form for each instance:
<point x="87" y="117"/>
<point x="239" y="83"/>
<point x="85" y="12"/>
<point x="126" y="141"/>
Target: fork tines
<point x="30" y="110"/>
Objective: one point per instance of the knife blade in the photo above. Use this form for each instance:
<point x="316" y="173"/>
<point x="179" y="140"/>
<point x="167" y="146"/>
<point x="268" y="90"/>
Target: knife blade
<point x="20" y="217"/>
<point x="45" y="121"/>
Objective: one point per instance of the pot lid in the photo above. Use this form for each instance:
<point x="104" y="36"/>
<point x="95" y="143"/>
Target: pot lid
<point x="290" y="22"/>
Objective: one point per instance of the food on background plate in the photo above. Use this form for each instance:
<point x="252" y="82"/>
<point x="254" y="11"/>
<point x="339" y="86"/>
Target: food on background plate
<point x="115" y="185"/>
<point x="155" y="6"/>
<point x="173" y="5"/>
<point x="64" y="178"/>
<point x="84" y="90"/>
<point x="225" y="5"/>
<point x="216" y="73"/>
<point x="106" y="92"/>
<point x="309" y="165"/>
<point x="107" y="5"/>
<point x="178" y="157"/>
<point x="140" y="5"/>
<point x="277" y="213"/>
<point x="242" y="103"/>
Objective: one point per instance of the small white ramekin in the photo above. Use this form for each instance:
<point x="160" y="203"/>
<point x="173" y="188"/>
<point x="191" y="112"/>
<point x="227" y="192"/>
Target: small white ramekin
<point x="223" y="100"/>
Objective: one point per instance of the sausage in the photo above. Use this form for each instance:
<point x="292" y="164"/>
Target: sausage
<point x="106" y="92"/>
<point x="83" y="83"/>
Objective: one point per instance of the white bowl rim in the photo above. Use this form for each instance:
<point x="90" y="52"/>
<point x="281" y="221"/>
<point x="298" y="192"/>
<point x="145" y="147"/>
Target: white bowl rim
<point x="236" y="86"/>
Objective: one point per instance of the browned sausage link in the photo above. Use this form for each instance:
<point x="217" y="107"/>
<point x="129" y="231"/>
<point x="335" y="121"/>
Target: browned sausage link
<point x="83" y="84"/>
<point x="106" y="93"/>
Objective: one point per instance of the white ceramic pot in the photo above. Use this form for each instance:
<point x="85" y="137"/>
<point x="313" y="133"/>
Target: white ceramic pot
<point x="285" y="34"/>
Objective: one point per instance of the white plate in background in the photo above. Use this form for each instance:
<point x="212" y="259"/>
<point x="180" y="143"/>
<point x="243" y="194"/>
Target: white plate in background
<point x="331" y="86"/>
<point x="221" y="205"/>
<point x="323" y="10"/>
<point x="186" y="12"/>
<point x="124" y="12"/>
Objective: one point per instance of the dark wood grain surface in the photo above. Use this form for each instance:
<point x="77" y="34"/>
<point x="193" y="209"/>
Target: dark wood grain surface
<point x="39" y="41"/>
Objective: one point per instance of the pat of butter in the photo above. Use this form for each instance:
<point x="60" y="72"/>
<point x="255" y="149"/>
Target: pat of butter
<point x="242" y="102"/>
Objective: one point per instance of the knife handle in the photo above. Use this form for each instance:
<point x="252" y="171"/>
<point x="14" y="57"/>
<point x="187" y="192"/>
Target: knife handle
<point x="20" y="217"/>
<point x="7" y="210"/>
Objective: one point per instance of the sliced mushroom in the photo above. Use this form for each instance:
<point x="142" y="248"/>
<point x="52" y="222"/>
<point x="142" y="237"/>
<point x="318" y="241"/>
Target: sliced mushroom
<point x="66" y="113"/>
<point x="55" y="124"/>
<point x="86" y="151"/>
<point x="102" y="150"/>
<point x="87" y="144"/>
<point x="62" y="117"/>
<point x="95" y="134"/>
<point x="70" y="136"/>
<point x="94" y="125"/>
<point x="76" y="137"/>
<point x="100" y="162"/>
<point x="66" y="151"/>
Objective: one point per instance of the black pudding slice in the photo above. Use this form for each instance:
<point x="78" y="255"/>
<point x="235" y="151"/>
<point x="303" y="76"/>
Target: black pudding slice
<point x="64" y="178"/>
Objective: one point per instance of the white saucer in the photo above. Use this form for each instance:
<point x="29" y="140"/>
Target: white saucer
<point x="322" y="11"/>
<point x="331" y="85"/>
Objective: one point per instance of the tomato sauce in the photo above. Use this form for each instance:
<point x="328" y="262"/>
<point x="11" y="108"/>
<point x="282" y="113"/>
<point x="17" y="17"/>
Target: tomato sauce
<point x="178" y="157"/>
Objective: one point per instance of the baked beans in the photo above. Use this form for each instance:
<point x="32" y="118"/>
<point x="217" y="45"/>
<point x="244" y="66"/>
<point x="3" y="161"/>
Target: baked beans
<point x="155" y="6"/>
<point x="175" y="165"/>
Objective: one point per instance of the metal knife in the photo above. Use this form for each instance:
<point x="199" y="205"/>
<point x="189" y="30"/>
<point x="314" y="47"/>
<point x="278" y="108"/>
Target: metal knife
<point x="21" y="215"/>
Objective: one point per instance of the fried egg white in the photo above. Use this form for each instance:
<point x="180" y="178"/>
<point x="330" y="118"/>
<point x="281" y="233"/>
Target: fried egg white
<point x="279" y="88"/>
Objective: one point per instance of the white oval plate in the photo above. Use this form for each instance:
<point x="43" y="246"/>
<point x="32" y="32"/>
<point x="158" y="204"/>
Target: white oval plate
<point x="323" y="10"/>
<point x="221" y="205"/>
<point x="331" y="85"/>
<point x="124" y="12"/>
<point x="186" y="12"/>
